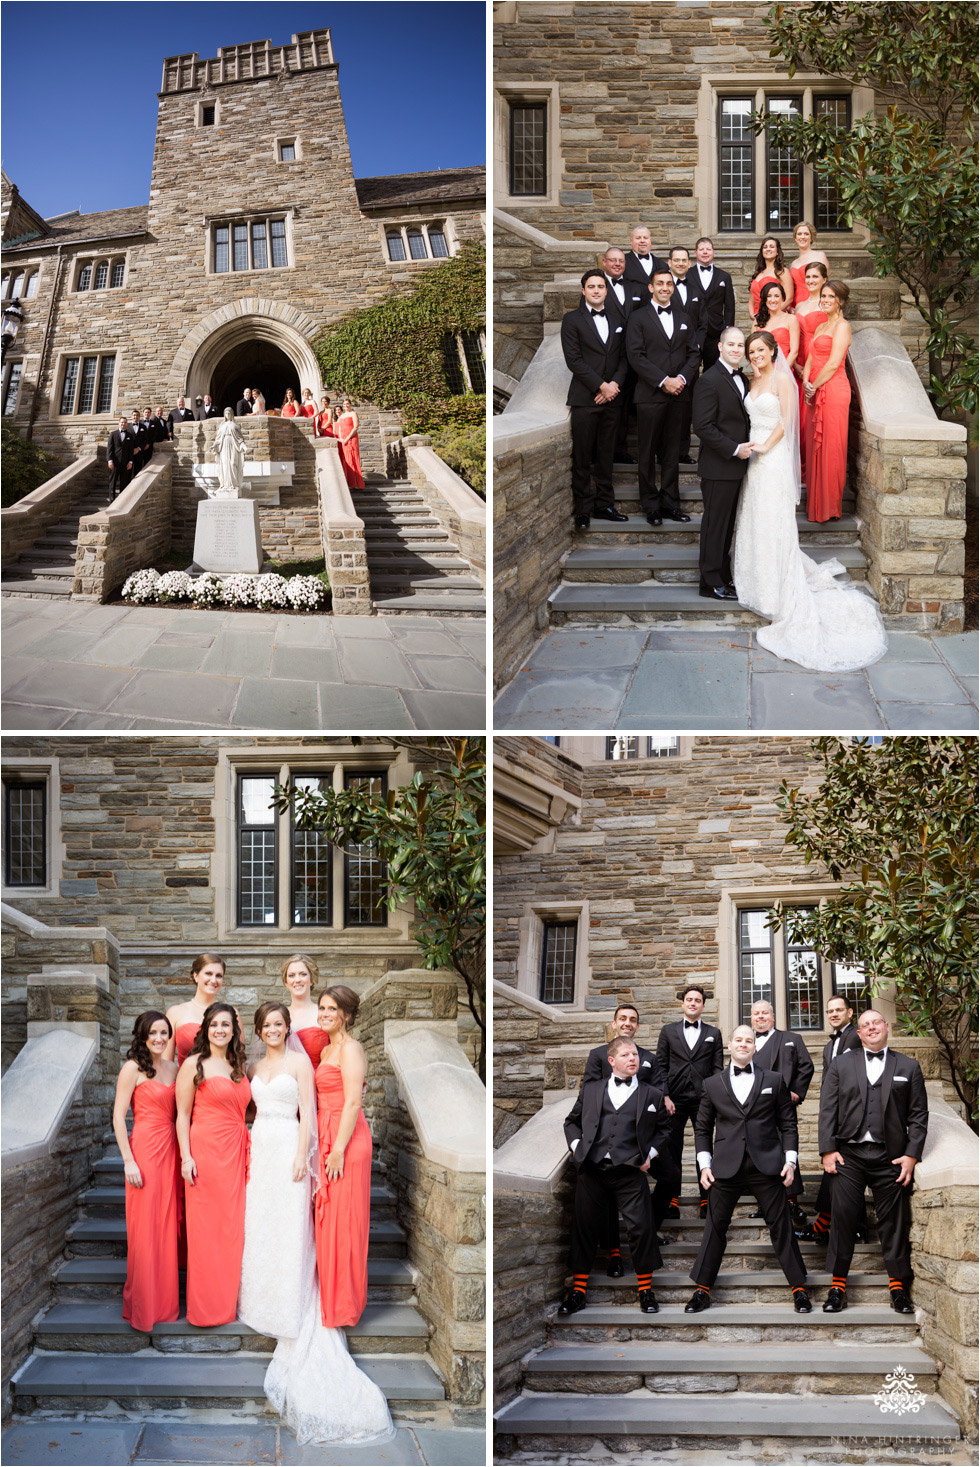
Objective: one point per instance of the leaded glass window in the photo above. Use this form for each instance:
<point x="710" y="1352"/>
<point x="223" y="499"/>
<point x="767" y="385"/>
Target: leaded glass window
<point x="667" y="748"/>
<point x="437" y="243"/>
<point x="31" y="290"/>
<point x="416" y="244"/>
<point x="474" y="361"/>
<point x="277" y="229"/>
<point x="260" y="247"/>
<point x="257" y="905"/>
<point x="13" y="388"/>
<point x="221" y="237"/>
<point x="804" y="1009"/>
<point x="17" y="290"/>
<point x="784" y="172"/>
<point x="101" y="275"/>
<point x="106" y="374"/>
<point x="68" y="386"/>
<point x="623" y="746"/>
<point x="288" y="152"/>
<point x="852" y="983"/>
<point x="396" y="245"/>
<point x="312" y="870"/>
<point x="736" y="165"/>
<point x="455" y="381"/>
<point x="240" y="246"/>
<point x="85" y="277"/>
<point x="528" y="148"/>
<point x="86" y="392"/>
<point x="826" y="195"/>
<point x="755" y="961"/>
<point x="365" y="880"/>
<point x="118" y="274"/>
<point x="558" y="962"/>
<point x="25" y="833"/>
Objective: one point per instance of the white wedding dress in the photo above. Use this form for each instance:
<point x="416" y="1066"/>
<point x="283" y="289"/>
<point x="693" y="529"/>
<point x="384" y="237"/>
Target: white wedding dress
<point x="815" y="620"/>
<point x="311" y="1381"/>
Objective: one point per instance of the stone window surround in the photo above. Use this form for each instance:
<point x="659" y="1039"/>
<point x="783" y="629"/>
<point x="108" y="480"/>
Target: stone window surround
<point x="530" y="947"/>
<point x="447" y="226"/>
<point x="336" y="758"/>
<point x="58" y="378"/>
<point x="726" y="978"/>
<point x="47" y="769"/>
<point x="199" y="107"/>
<point x="589" y="751"/>
<point x="8" y="367"/>
<point x="291" y="141"/>
<point x="519" y="90"/>
<point x="114" y="257"/>
<point x="806" y="84"/>
<point x="30" y="271"/>
<point x="248" y="217"/>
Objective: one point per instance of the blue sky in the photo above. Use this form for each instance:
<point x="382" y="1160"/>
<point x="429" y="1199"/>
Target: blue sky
<point x="80" y="82"/>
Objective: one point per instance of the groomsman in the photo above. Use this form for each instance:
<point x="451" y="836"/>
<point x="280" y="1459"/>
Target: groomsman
<point x="140" y="446"/>
<point x="688" y="1050"/>
<point x="843" y="1036"/>
<point x="626" y="1021"/>
<point x="747" y="1141"/>
<point x="615" y="1130"/>
<point x="641" y="262"/>
<point x="619" y="298"/>
<point x="119" y="455"/>
<point x="873" y="1121"/>
<point x="161" y="431"/>
<point x="180" y="414"/>
<point x="717" y="296"/>
<point x="786" y="1053"/>
<point x="662" y="349"/>
<point x="205" y="409"/>
<point x="592" y="343"/>
<point x="689" y="297"/>
<point x="243" y="407"/>
<point x="149" y="432"/>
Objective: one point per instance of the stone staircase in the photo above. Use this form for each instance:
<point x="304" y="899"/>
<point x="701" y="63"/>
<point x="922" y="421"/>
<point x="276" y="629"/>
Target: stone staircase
<point x="748" y="1379"/>
<point x="415" y="567"/>
<point x="46" y="571"/>
<point x="87" y="1358"/>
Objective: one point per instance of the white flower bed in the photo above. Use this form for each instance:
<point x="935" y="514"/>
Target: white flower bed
<point x="174" y="586"/>
<point x="142" y="586"/>
<point x="208" y="590"/>
<point x="240" y="590"/>
<point x="306" y="593"/>
<point x="270" y="592"/>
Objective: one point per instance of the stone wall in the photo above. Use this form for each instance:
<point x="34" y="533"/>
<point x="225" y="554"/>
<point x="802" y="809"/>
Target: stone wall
<point x="343" y="539"/>
<point x="132" y="532"/>
<point x="944" y="1256"/>
<point x="27" y="520"/>
<point x="458" y="508"/>
<point x="531" y="1233"/>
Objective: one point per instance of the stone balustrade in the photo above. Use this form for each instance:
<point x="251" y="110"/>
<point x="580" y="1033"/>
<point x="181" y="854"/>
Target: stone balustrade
<point x="344" y="544"/>
<point x="130" y="533"/>
<point x="458" y="508"/>
<point x="26" y="521"/>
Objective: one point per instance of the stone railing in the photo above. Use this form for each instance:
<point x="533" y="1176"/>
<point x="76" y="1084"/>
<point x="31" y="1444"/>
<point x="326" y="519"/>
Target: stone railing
<point x="944" y="1256"/>
<point x="910" y="472"/>
<point x="132" y="532"/>
<point x="458" y="508"/>
<point x="427" y="1109"/>
<point x="57" y="1098"/>
<point x="525" y="260"/>
<point x="344" y="545"/>
<point x="26" y="521"/>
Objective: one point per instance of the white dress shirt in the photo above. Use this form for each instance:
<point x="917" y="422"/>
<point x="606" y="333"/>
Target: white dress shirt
<point x="618" y="288"/>
<point x="619" y="1094"/>
<point x="742" y="1089"/>
<point x="691" y="1036"/>
<point x="761" y="1039"/>
<point x="680" y="289"/>
<point x="601" y="324"/>
<point x="705" y="272"/>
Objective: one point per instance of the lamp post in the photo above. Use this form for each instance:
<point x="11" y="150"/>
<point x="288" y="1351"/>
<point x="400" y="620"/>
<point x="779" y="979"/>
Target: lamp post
<point x="10" y="325"/>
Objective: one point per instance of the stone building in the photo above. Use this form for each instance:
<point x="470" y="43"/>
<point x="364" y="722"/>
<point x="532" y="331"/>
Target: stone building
<point x="122" y="860"/>
<point x="626" y="868"/>
<point x="221" y="280"/>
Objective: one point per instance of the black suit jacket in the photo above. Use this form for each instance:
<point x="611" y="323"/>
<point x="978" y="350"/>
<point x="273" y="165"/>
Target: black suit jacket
<point x="637" y="279"/>
<point x="850" y="1040"/>
<point x="904" y="1107"/>
<point x="597" y="1067"/>
<point x="140" y="441"/>
<point x="203" y="413"/>
<point x="179" y="415"/>
<point x="160" y="430"/>
<point x="612" y="301"/>
<point x="590" y="360"/>
<point x="764" y="1128"/>
<point x="786" y="1053"/>
<point x="686" y="1069"/>
<point x="718" y="300"/>
<point x="243" y="407"/>
<point x="721" y="421"/>
<point x="120" y="450"/>
<point x="653" y="355"/>
<point x="652" y="1120"/>
<point x="693" y="307"/>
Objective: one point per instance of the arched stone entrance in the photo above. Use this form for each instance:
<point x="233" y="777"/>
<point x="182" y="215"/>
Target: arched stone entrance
<point x="266" y="345"/>
<point x="255" y="364"/>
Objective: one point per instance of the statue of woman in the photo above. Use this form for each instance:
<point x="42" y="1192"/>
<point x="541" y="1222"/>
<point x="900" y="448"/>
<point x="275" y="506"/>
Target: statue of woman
<point x="229" y="445"/>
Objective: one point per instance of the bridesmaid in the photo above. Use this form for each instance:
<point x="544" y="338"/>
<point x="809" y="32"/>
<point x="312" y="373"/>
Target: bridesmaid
<point x="150" y="1158"/>
<point x="769" y="266"/>
<point x="307" y="408"/>
<point x="810" y="316"/>
<point x="776" y="319"/>
<point x="343" y="1198"/>
<point x="323" y="422"/>
<point x="208" y="972"/>
<point x="828" y="396"/>
<point x="805" y="234"/>
<point x="300" y="975"/>
<point x="346" y="430"/>
<point x="213" y="1095"/>
<point x="290" y="407"/>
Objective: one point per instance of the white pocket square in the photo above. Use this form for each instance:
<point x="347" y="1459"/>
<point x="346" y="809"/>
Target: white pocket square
<point x="618" y="330"/>
<point x="900" y="1079"/>
<point x="651" y="1107"/>
<point x="683" y="327"/>
<point x="788" y="1044"/>
<point x="768" y="1090"/>
<point x="645" y="1065"/>
<point x="709" y="1039"/>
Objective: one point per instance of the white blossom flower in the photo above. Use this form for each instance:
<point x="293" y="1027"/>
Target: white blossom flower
<point x="207" y="590"/>
<point x="240" y="590"/>
<point x="272" y="591"/>
<point x="174" y="586"/>
<point x="306" y="593"/>
<point x="141" y="586"/>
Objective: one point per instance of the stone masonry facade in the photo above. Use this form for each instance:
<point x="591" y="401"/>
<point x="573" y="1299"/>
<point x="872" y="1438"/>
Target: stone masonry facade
<point x="176" y="323"/>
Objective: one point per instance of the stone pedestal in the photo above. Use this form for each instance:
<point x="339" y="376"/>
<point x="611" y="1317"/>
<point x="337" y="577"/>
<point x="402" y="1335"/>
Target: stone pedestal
<point x="227" y="539"/>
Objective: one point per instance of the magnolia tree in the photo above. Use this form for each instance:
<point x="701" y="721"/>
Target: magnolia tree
<point x="910" y="173"/>
<point x="431" y="834"/>
<point x="896" y="825"/>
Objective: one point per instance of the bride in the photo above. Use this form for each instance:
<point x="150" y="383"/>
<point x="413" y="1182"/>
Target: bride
<point x="311" y="1381"/>
<point x="814" y="620"/>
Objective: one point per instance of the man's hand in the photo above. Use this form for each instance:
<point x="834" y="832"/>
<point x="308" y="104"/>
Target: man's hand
<point x="744" y="450"/>
<point x="794" y="1097"/>
<point x="669" y="1105"/>
<point x="673" y="385"/>
<point x="907" y="1167"/>
<point x="608" y="391"/>
<point x="787" y="1174"/>
<point x="832" y="1162"/>
<point x="646" y="1165"/>
<point x="707" y="1177"/>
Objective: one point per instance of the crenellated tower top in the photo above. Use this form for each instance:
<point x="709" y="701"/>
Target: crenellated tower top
<point x="250" y="61"/>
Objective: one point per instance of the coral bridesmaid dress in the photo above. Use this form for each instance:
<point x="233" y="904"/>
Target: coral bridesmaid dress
<point x="826" y="437"/>
<point x="289" y="410"/>
<point x="781" y="334"/>
<point x="350" y="454"/>
<point x="152" y="1289"/>
<point x="802" y="293"/>
<point x="756" y="288"/>
<point x="216" y="1203"/>
<point x="307" y="410"/>
<point x="323" y="426"/>
<point x="314" y="1040"/>
<point x="808" y="325"/>
<point x="343" y="1208"/>
<point x="186" y="1034"/>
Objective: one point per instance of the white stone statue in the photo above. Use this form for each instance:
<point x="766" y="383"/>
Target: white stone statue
<point x="229" y="445"/>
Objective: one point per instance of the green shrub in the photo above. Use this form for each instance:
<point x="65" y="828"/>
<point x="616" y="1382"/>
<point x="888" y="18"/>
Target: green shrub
<point x="432" y="415"/>
<point x="23" y="465"/>
<point x="465" y="451"/>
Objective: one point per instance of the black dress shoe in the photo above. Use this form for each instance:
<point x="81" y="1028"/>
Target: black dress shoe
<point x="573" y="1301"/>
<point x="673" y="1211"/>
<point x="836" y="1301"/>
<point x="624" y="458"/>
<point x="799" y="1217"/>
<point x="901" y="1303"/>
<point x="610" y="514"/>
<point x="654" y="519"/>
<point x="730" y="588"/>
<point x="805" y="1235"/>
<point x="714" y="593"/>
<point x="614" y="1268"/>
<point x="698" y="1301"/>
<point x="802" y="1302"/>
<point x="661" y="1242"/>
<point x="581" y="522"/>
<point x="648" y="1303"/>
<point x="685" y="458"/>
<point x="670" y="514"/>
<point x="754" y="1215"/>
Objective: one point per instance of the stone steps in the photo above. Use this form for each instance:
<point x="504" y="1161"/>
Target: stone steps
<point x="414" y="565"/>
<point x="675" y="564"/>
<point x="753" y="1322"/>
<point x="636" y="531"/>
<point x="740" y="1286"/>
<point x="110" y="1200"/>
<point x="94" y="1237"/>
<point x="47" y="570"/>
<point x="103" y="1278"/>
<point x="650" y="602"/>
<point x="110" y="1164"/>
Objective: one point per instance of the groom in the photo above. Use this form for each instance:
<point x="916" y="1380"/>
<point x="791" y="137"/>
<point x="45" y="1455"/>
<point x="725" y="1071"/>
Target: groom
<point x="721" y="421"/>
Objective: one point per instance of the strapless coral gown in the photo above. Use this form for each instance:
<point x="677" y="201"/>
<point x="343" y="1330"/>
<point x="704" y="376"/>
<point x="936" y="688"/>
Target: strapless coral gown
<point x="289" y="410"/>
<point x="756" y="288"/>
<point x="826" y="437"/>
<point x="323" y="426"/>
<point x="152" y="1289"/>
<point x="307" y="410"/>
<point x="186" y="1034"/>
<point x="343" y="1208"/>
<point x="350" y="453"/>
<point x="215" y="1204"/>
<point x="801" y="293"/>
<point x="808" y="325"/>
<point x="314" y="1041"/>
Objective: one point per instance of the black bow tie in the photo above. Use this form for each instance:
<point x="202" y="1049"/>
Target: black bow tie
<point x="598" y="313"/>
<point x="627" y="1081"/>
<point x="746" y="1070"/>
<point x="691" y="1023"/>
<point x="663" y="310"/>
<point x="643" y="257"/>
<point x="877" y="1055"/>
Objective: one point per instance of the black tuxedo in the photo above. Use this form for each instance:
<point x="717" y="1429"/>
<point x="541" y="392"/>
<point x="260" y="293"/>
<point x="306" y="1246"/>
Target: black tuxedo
<point x="692" y="306"/>
<point x="637" y="278"/>
<point x="148" y="434"/>
<point x="721" y="421"/>
<point x="119" y="455"/>
<point x="608" y="1148"/>
<point x="786" y="1053"/>
<point x="243" y="407"/>
<point x="160" y="430"/>
<point x="203" y="413"/>
<point x="654" y="355"/>
<point x="141" y="445"/>
<point x="179" y="415"/>
<point x="625" y="399"/>
<point x="591" y="362"/>
<point x="748" y="1145"/>
<point x="848" y="1040"/>
<point x="893" y="1108"/>
<point x="717" y="308"/>
<point x="612" y="300"/>
<point x="686" y="1070"/>
<point x="597" y="1067"/>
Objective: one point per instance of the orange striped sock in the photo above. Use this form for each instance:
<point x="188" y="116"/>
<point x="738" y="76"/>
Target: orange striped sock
<point x="799" y="1288"/>
<point x="675" y="1202"/>
<point x="704" y="1288"/>
<point x="821" y="1223"/>
<point x="615" y="1253"/>
<point x="839" y="1281"/>
<point x="894" y="1284"/>
<point x="644" y="1281"/>
<point x="580" y="1282"/>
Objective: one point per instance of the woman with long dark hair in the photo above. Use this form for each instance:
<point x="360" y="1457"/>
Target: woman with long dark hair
<point x="207" y="974"/>
<point x="770" y="266"/>
<point x="809" y="314"/>
<point x="828" y="397"/>
<point x="151" y="1164"/>
<point x="343" y="1199"/>
<point x="213" y="1095"/>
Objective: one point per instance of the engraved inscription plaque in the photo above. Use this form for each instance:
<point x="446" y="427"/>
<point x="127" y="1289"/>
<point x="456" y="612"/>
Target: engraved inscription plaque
<point x="227" y="537"/>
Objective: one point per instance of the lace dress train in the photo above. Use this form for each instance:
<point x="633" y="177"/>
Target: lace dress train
<point x="312" y="1382"/>
<point x="814" y="619"/>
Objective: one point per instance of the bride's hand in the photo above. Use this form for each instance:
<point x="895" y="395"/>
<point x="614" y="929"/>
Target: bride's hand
<point x="299" y="1169"/>
<point x="758" y="447"/>
<point x="335" y="1166"/>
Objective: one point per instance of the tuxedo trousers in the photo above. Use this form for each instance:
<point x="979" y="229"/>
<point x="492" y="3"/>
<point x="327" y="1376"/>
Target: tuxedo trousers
<point x="625" y="400"/>
<point x="119" y="477"/>
<point x="667" y="1175"/>
<point x="684" y="1110"/>
<point x="593" y="450"/>
<point x="867" y="1164"/>
<point x="686" y="401"/>
<point x="770" y="1193"/>
<point x="720" y="499"/>
<point x="627" y="1186"/>
<point x="658" y="436"/>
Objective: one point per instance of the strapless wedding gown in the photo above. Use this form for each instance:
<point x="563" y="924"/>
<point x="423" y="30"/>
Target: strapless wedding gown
<point x="815" y="620"/>
<point x="311" y="1381"/>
